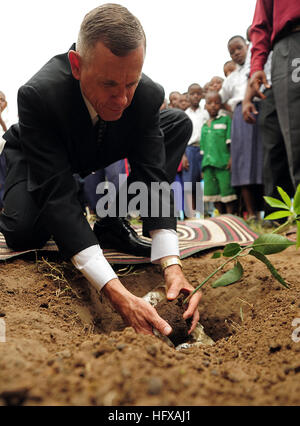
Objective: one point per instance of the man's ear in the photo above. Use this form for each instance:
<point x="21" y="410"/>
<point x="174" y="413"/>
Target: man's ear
<point x="75" y="62"/>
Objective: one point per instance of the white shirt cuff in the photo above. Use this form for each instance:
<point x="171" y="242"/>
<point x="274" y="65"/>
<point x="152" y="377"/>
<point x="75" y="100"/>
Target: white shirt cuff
<point x="93" y="265"/>
<point x="164" y="243"/>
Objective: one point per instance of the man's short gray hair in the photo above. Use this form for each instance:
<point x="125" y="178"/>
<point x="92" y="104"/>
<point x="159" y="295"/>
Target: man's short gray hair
<point x="113" y="25"/>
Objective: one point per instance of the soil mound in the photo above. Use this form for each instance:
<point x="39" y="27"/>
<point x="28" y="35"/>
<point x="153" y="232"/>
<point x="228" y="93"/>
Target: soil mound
<point x="65" y="345"/>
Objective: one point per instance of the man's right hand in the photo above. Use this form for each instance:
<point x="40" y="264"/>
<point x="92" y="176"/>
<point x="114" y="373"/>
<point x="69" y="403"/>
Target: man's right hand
<point x="135" y="311"/>
<point x="253" y="89"/>
<point x="256" y="81"/>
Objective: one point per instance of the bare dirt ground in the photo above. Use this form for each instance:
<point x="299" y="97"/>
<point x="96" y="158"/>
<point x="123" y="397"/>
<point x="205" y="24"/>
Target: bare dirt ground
<point x="65" y="346"/>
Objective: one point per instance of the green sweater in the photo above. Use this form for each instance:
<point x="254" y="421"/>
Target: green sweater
<point x="214" y="142"/>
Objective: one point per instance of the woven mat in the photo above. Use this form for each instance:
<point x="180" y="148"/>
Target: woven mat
<point x="194" y="236"/>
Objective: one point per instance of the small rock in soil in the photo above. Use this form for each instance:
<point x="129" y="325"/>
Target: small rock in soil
<point x="155" y="385"/>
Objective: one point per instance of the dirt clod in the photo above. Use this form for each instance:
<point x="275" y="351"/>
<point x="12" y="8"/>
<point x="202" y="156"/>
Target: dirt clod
<point x="172" y="311"/>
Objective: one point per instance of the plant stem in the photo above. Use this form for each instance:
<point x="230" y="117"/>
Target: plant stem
<point x="283" y="226"/>
<point x="213" y="273"/>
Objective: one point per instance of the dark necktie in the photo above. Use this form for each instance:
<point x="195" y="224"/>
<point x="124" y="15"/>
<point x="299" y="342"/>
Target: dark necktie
<point x="100" y="128"/>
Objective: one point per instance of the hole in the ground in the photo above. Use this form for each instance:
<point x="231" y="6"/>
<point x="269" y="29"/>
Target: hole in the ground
<point x="218" y="328"/>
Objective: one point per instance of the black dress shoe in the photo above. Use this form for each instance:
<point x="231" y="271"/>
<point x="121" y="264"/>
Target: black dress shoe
<point x="116" y="233"/>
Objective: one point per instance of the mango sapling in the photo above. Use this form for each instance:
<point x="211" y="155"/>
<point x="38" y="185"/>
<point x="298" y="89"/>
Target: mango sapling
<point x="264" y="245"/>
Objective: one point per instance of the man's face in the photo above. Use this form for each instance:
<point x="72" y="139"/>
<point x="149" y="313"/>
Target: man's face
<point x="109" y="81"/>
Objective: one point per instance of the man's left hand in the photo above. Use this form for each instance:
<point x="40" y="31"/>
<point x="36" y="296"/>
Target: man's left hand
<point x="176" y="283"/>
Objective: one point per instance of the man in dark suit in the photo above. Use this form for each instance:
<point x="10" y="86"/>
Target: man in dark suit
<point x="82" y="111"/>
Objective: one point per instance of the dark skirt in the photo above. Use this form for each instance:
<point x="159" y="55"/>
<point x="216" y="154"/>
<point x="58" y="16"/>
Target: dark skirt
<point x="246" y="151"/>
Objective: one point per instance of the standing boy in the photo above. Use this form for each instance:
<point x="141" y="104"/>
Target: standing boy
<point x="191" y="160"/>
<point x="216" y="162"/>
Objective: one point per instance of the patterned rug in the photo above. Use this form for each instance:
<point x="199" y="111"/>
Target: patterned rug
<point x="194" y="236"/>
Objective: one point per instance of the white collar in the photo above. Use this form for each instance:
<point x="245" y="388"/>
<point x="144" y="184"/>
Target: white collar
<point x="91" y="110"/>
<point x="220" y="114"/>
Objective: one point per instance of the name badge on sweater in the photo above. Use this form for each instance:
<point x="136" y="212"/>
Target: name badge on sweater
<point x="221" y="126"/>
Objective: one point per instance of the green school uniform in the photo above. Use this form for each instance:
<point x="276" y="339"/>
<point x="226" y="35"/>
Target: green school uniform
<point x="214" y="146"/>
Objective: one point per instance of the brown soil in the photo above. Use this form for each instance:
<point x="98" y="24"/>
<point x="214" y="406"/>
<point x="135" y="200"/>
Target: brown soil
<point x="172" y="311"/>
<point x="65" y="346"/>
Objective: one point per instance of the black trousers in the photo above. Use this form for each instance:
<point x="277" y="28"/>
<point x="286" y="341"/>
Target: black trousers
<point x="280" y="119"/>
<point x="20" y="220"/>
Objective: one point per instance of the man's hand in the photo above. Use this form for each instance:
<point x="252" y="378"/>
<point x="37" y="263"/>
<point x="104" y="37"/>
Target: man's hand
<point x="253" y="89"/>
<point x="249" y="111"/>
<point x="255" y="83"/>
<point x="176" y="283"/>
<point x="135" y="311"/>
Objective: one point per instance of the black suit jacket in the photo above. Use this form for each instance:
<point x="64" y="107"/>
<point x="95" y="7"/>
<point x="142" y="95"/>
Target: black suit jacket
<point x="55" y="139"/>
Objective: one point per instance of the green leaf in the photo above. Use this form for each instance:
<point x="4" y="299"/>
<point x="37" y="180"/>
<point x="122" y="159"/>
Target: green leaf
<point x="297" y="200"/>
<point x="260" y="256"/>
<point x="285" y="197"/>
<point x="271" y="243"/>
<point x="231" y="250"/>
<point x="216" y="255"/>
<point x="273" y="202"/>
<point x="298" y="234"/>
<point x="230" y="277"/>
<point x="278" y="215"/>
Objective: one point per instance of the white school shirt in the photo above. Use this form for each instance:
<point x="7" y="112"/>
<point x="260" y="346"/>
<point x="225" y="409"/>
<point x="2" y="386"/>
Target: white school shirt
<point x="198" y="118"/>
<point x="91" y="261"/>
<point x="234" y="87"/>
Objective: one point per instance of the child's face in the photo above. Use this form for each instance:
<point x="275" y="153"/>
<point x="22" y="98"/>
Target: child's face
<point x="216" y="84"/>
<point x="213" y="104"/>
<point x="184" y="102"/>
<point x="3" y="102"/>
<point x="195" y="96"/>
<point x="229" y="68"/>
<point x="238" y="50"/>
<point x="174" y="100"/>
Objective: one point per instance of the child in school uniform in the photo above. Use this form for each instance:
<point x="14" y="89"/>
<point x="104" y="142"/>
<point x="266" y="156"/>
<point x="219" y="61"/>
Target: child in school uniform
<point x="216" y="162"/>
<point x="229" y="67"/>
<point x="246" y="147"/>
<point x="191" y="160"/>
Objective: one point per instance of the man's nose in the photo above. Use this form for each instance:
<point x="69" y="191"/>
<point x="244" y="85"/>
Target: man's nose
<point x="121" y="97"/>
